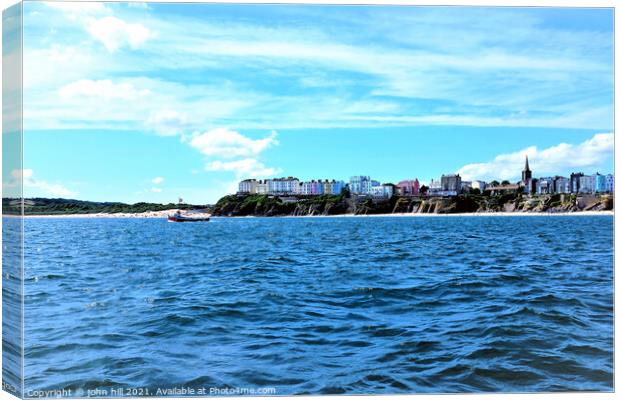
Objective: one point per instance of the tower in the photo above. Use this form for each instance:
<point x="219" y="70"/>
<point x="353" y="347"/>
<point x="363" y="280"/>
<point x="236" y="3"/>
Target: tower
<point x="526" y="174"/>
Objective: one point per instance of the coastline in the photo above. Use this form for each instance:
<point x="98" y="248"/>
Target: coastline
<point x="473" y="214"/>
<point x="148" y="214"/>
<point x="164" y="214"/>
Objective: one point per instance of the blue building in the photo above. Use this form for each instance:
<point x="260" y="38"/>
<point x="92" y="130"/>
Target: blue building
<point x="337" y="187"/>
<point x="599" y="182"/>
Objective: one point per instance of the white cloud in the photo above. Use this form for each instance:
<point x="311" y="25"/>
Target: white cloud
<point x="226" y="143"/>
<point x="37" y="187"/>
<point x="52" y="189"/>
<point x="167" y="122"/>
<point x="240" y="152"/>
<point x="22" y="173"/>
<point x="105" y="89"/>
<point x="115" y="33"/>
<point x="158" y="180"/>
<point x="550" y="161"/>
<point x="246" y="168"/>
<point x="62" y="64"/>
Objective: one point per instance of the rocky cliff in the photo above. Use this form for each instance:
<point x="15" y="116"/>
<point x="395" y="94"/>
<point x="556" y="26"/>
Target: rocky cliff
<point x="264" y="205"/>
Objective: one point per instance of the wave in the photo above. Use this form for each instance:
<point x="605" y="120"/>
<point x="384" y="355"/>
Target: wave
<point x="321" y="306"/>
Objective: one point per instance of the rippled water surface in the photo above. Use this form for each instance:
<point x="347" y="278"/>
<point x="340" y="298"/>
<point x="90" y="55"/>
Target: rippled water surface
<point x="321" y="305"/>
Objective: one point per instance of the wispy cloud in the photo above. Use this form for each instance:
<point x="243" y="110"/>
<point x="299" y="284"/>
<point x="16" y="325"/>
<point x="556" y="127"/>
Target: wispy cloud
<point x="158" y="180"/>
<point x="115" y="33"/>
<point x="226" y="143"/>
<point x="105" y="89"/>
<point x="549" y="161"/>
<point x="245" y="168"/>
<point x="167" y="122"/>
<point x="154" y="105"/>
<point x="344" y="67"/>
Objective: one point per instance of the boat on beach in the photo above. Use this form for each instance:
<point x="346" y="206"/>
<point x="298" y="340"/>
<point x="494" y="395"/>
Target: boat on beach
<point x="188" y="217"/>
<point x="178" y="217"/>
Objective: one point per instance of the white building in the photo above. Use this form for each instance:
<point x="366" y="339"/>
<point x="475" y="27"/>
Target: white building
<point x="262" y="187"/>
<point x="434" y="187"/>
<point x="385" y="191"/>
<point x="361" y="184"/>
<point x="545" y="186"/>
<point x="288" y="185"/>
<point x="248" y="186"/>
<point x="305" y="188"/>
<point x="437" y="188"/>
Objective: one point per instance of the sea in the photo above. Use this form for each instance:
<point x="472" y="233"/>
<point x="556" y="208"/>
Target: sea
<point x="281" y="306"/>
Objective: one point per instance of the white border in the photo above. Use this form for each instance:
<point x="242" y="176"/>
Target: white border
<point x="507" y="3"/>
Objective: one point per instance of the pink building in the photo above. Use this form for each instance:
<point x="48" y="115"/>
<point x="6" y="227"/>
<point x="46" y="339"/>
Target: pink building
<point x="408" y="188"/>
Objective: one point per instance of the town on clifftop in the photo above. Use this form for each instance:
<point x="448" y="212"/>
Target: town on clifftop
<point x="362" y="195"/>
<point x="447" y="185"/>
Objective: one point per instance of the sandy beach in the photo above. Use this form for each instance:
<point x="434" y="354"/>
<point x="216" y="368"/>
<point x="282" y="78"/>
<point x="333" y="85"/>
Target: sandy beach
<point x="164" y="214"/>
<point x="486" y="214"/>
<point x="148" y="214"/>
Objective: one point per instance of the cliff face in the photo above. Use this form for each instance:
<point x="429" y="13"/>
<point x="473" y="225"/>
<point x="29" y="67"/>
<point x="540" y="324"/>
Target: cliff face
<point x="263" y="205"/>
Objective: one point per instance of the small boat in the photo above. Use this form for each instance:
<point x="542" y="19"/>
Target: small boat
<point x="186" y="218"/>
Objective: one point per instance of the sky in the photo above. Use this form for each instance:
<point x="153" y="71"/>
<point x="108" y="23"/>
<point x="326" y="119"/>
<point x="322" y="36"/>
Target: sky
<point x="151" y="102"/>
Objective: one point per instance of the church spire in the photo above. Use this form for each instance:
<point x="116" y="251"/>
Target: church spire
<point x="526" y="174"/>
<point x="527" y="164"/>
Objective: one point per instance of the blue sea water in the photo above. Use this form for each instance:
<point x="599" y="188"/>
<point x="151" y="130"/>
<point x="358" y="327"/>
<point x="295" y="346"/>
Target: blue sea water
<point x="320" y="305"/>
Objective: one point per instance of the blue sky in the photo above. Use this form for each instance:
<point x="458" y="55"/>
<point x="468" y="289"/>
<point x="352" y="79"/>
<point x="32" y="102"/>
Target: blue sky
<point x="152" y="102"/>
